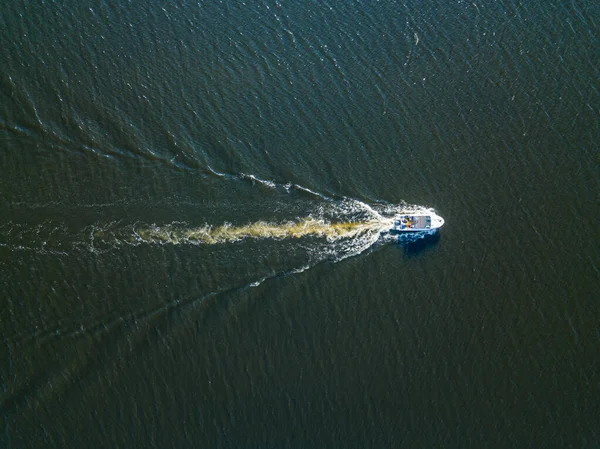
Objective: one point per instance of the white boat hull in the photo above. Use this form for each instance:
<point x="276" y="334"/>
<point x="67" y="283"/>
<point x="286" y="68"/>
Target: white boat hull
<point x="416" y="223"/>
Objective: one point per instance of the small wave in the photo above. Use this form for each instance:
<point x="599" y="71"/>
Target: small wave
<point x="307" y="190"/>
<point x="253" y="178"/>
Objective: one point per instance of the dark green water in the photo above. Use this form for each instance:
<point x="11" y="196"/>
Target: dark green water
<point x="128" y="127"/>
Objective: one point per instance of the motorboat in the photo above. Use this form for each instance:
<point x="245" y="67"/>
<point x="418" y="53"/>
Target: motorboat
<point x="416" y="223"/>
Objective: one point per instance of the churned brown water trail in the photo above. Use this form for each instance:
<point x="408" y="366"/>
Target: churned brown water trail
<point x="259" y="230"/>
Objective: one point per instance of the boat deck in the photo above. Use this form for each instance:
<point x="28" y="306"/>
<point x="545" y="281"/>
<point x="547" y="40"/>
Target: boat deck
<point x="420" y="221"/>
<point x="412" y="222"/>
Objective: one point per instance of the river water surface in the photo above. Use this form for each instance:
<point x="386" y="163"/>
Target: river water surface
<point x="192" y="195"/>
